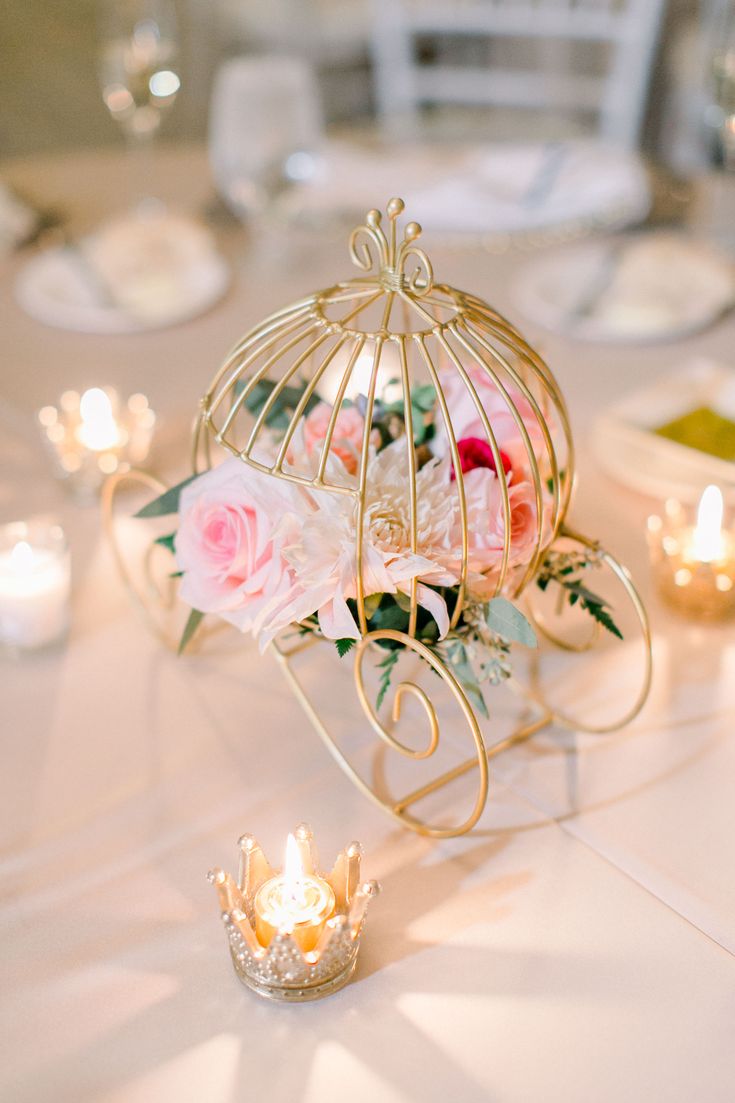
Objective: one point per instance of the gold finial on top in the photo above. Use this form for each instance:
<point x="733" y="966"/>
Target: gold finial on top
<point x="390" y="258"/>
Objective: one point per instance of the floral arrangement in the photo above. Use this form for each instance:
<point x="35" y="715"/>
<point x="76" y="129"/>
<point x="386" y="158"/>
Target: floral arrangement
<point x="266" y="554"/>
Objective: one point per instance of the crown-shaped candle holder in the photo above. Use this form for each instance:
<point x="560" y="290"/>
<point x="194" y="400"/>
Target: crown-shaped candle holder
<point x="294" y="941"/>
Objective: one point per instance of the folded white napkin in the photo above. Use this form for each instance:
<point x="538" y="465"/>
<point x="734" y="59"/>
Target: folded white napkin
<point x="502" y="188"/>
<point x="146" y="266"/>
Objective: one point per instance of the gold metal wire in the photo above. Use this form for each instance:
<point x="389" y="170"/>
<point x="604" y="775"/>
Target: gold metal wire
<point x="394" y="310"/>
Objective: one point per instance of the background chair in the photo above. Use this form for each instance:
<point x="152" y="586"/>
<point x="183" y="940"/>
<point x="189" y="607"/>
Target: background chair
<point x="418" y="57"/>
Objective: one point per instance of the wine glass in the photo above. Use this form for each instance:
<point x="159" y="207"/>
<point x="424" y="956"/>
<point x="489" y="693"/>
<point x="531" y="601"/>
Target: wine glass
<point x="138" y="70"/>
<point x="265" y="130"/>
<point x="723" y="79"/>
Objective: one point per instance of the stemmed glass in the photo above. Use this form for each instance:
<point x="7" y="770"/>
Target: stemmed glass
<point x="265" y="131"/>
<point x="138" y="53"/>
<point x="723" y="78"/>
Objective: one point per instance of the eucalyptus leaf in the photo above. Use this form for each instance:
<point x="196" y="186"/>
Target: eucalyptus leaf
<point x="423" y="397"/>
<point x="166" y="503"/>
<point x="465" y="675"/>
<point x="503" y="618"/>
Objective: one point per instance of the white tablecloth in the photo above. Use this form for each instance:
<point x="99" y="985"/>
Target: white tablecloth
<point x="577" y="946"/>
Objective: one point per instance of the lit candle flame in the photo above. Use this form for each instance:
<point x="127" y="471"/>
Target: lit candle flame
<point x="98" y="429"/>
<point x="21" y="557"/>
<point x="707" y="545"/>
<point x="293" y="872"/>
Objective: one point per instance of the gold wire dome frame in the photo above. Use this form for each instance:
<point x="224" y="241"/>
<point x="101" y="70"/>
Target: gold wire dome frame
<point x="394" y="327"/>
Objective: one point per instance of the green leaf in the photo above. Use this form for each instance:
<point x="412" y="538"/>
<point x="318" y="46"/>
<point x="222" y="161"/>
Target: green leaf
<point x="166" y="541"/>
<point x="166" y="503"/>
<point x="602" y="617"/>
<point x="387" y="672"/>
<point x="286" y="401"/>
<point x="371" y="604"/>
<point x="423" y="397"/>
<point x="343" y="646"/>
<point x="191" y="626"/>
<point x="465" y="675"/>
<point x="403" y="601"/>
<point x="505" y="620"/>
<point x="574" y="586"/>
<point x="389" y="616"/>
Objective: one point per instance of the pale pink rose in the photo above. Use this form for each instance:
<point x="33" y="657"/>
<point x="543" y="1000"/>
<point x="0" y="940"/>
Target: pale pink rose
<point x="466" y="420"/>
<point x="486" y="528"/>
<point x="227" y="545"/>
<point x="347" y="437"/>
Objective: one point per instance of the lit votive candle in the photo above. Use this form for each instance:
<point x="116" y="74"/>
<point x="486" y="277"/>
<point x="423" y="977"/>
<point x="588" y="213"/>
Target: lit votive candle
<point x="694" y="565"/>
<point x="93" y="435"/>
<point x="293" y="902"/>
<point x="34" y="585"/>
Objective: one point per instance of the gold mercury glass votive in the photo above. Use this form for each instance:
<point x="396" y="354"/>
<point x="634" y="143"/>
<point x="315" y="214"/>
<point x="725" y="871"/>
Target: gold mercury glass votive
<point x="294" y="934"/>
<point x="96" y="434"/>
<point x="694" y="564"/>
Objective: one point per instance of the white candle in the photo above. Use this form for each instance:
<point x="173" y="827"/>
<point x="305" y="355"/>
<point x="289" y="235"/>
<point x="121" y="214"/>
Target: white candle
<point x="708" y="543"/>
<point x="293" y="902"/>
<point x="34" y="585"/>
<point x="98" y="429"/>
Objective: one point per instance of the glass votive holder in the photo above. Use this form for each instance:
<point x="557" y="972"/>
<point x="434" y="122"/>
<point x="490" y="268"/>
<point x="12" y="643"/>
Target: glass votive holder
<point x="96" y="434"/>
<point x="694" y="563"/>
<point x="35" y="582"/>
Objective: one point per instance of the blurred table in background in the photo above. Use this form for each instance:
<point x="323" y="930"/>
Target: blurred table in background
<point x="578" y="946"/>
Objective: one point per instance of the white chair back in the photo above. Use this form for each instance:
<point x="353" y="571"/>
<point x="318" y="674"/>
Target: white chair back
<point x="629" y="28"/>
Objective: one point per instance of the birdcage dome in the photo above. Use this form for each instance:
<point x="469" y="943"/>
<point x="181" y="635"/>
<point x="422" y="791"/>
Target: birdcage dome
<point x="299" y="396"/>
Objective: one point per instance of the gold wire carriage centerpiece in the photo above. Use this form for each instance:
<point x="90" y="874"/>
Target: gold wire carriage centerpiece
<point x="400" y="474"/>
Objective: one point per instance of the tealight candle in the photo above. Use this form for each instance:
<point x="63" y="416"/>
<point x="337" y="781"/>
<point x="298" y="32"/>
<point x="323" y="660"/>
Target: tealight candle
<point x="293" y="902"/>
<point x="34" y="585"/>
<point x="93" y="435"/>
<point x="694" y="565"/>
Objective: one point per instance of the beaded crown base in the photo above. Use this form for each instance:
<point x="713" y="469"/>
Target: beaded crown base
<point x="282" y="971"/>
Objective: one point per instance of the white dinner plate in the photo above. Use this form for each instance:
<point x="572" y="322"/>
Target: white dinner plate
<point x="132" y="275"/>
<point x="644" y="287"/>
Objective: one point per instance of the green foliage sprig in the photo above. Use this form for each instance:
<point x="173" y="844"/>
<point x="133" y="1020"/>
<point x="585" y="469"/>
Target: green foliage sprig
<point x="564" y="568"/>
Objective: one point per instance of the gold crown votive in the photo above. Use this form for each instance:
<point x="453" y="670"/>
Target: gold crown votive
<point x="294" y="934"/>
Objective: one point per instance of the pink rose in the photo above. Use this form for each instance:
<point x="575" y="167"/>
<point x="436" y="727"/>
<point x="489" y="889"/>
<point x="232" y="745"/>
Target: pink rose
<point x="486" y="528"/>
<point x="466" y="421"/>
<point x="347" y="437"/>
<point x="227" y="546"/>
